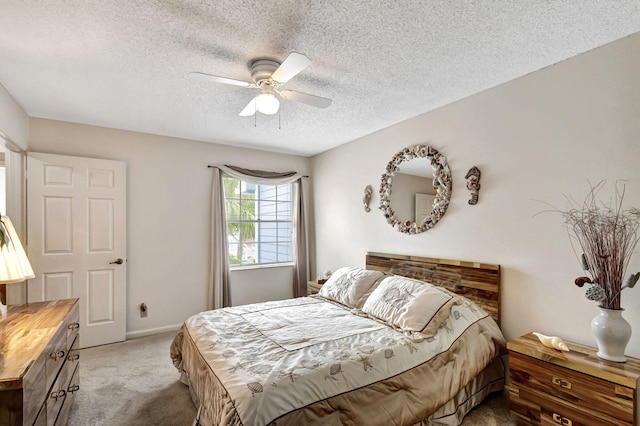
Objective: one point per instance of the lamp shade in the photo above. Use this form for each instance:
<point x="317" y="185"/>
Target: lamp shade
<point x="14" y="265"/>
<point x="267" y="103"/>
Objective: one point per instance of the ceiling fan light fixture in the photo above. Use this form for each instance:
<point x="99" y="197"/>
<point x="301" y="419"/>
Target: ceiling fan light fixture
<point x="269" y="76"/>
<point x="267" y="103"/>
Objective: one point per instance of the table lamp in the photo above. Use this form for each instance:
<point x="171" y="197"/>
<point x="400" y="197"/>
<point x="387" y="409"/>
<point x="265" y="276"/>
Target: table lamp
<point x="14" y="265"/>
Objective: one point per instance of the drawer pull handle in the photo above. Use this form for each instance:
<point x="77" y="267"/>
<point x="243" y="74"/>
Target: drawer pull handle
<point x="59" y="354"/>
<point x="562" y="420"/>
<point x="73" y="326"/>
<point x="73" y="357"/>
<point x="58" y="394"/>
<point x="74" y="388"/>
<point x="561" y="382"/>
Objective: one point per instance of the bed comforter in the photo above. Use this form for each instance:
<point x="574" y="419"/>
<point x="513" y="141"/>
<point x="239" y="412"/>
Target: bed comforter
<point x="312" y="361"/>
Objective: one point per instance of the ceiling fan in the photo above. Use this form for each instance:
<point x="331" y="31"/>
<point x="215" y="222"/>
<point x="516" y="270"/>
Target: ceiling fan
<point x="269" y="76"/>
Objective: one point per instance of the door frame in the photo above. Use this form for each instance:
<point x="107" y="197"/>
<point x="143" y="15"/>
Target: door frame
<point x="16" y="196"/>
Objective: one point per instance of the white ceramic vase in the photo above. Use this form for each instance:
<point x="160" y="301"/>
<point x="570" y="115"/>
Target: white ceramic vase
<point x="612" y="333"/>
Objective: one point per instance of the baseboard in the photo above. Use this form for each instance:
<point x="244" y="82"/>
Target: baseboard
<point x="152" y="331"/>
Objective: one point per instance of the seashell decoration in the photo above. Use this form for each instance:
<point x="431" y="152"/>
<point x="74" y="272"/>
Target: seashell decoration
<point x="255" y="387"/>
<point x="289" y="375"/>
<point x="441" y="182"/>
<point x="260" y="369"/>
<point x="341" y="355"/>
<point x="366" y="363"/>
<point x="473" y="184"/>
<point x="409" y="344"/>
<point x="391" y="295"/>
<point x="552" y="342"/>
<point x="367" y="198"/>
<point x="311" y="364"/>
<point x="387" y="341"/>
<point x="367" y="349"/>
<point x="335" y="369"/>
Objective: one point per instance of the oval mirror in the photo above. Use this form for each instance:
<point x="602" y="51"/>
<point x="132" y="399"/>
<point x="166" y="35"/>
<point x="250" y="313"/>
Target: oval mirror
<point x="421" y="181"/>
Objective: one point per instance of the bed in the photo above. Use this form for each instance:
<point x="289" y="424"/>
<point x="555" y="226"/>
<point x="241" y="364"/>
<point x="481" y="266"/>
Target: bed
<point x="407" y="340"/>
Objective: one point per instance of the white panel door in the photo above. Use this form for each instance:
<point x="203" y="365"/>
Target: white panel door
<point x="76" y="227"/>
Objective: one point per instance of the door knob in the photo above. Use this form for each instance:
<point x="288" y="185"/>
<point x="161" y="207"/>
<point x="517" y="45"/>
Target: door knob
<point x="118" y="261"/>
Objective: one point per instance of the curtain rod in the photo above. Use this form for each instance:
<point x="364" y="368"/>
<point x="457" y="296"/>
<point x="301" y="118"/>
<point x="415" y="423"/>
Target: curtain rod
<point x="213" y="167"/>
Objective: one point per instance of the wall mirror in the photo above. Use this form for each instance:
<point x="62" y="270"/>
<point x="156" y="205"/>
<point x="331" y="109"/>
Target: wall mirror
<point x="415" y="189"/>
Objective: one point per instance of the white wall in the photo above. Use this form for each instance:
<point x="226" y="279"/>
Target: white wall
<point x="169" y="194"/>
<point x="14" y="122"/>
<point x="534" y="139"/>
<point x="14" y="136"/>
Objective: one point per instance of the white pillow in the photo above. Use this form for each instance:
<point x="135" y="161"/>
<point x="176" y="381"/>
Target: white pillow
<point x="410" y="305"/>
<point x="350" y="286"/>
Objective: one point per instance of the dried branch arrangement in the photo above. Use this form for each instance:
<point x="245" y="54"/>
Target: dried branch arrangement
<point x="607" y="234"/>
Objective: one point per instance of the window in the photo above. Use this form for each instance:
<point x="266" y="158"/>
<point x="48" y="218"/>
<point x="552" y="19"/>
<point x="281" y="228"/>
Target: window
<point x="259" y="222"/>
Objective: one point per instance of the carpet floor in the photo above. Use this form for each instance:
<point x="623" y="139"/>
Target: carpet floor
<point x="134" y="383"/>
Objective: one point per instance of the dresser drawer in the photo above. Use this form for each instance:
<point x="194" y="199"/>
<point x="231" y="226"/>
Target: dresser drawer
<point x="73" y="325"/>
<point x="73" y="358"/>
<point x="63" y="391"/>
<point x="33" y="383"/>
<point x="535" y="408"/>
<point x="547" y="389"/>
<point x="42" y="417"/>
<point x="58" y="394"/>
<point x="72" y="388"/>
<point x="55" y="356"/>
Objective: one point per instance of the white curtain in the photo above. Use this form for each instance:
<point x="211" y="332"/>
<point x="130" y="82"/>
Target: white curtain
<point x="300" y="275"/>
<point x="219" y="288"/>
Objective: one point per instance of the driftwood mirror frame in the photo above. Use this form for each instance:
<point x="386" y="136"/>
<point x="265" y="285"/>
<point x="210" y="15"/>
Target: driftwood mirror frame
<point x="441" y="182"/>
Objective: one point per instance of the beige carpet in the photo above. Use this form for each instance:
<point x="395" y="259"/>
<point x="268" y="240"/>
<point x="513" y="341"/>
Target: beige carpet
<point x="135" y="383"/>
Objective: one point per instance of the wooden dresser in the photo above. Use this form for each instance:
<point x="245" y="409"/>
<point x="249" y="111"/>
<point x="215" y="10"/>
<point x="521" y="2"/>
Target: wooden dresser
<point x="574" y="388"/>
<point x="39" y="363"/>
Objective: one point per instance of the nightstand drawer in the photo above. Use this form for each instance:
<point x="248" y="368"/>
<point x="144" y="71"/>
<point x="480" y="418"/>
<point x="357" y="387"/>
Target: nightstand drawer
<point x="571" y="388"/>
<point x="579" y="392"/>
<point x="536" y="408"/>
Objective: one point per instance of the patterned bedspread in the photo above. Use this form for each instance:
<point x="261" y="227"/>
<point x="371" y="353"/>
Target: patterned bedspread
<point x="305" y="359"/>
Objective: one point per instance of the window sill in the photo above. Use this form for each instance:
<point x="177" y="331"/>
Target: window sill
<point x="259" y="266"/>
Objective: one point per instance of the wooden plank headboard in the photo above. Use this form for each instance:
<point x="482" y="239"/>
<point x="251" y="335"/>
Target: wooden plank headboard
<point x="479" y="282"/>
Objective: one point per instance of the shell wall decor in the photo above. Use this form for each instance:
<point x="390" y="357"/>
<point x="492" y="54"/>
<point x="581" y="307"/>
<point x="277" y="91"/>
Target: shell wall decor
<point x="367" y="198"/>
<point x="473" y="184"/>
<point x="441" y="183"/>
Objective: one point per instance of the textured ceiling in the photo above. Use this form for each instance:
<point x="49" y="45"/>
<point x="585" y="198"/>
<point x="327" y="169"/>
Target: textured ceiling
<point x="123" y="63"/>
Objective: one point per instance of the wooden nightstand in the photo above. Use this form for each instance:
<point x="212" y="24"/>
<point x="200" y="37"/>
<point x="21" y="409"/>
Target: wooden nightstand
<point x="572" y="388"/>
<point x="313" y="287"/>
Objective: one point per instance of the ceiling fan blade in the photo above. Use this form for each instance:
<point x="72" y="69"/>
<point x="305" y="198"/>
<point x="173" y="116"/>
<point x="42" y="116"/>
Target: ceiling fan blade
<point x="291" y="66"/>
<point x="250" y="109"/>
<point x="216" y="79"/>
<point x="306" y="98"/>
